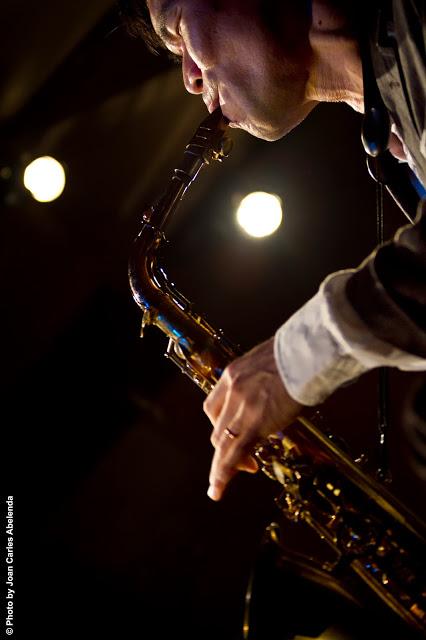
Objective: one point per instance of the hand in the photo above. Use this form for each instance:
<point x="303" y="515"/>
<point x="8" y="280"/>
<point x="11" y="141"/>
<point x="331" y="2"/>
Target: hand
<point x="248" y="403"/>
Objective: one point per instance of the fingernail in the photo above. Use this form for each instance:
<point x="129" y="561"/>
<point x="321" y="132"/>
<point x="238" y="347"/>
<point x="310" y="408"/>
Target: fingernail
<point x="213" y="493"/>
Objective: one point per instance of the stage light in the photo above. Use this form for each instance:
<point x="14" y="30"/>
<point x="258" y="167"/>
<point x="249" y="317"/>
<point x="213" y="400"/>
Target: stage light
<point x="260" y="214"/>
<point x="45" y="178"/>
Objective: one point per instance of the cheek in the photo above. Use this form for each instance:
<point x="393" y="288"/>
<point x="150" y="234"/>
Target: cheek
<point x="220" y="38"/>
<point x="198" y="31"/>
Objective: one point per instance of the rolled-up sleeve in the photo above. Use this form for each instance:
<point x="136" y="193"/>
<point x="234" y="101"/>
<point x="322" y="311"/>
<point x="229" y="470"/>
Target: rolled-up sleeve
<point x="388" y="291"/>
<point x="360" y="319"/>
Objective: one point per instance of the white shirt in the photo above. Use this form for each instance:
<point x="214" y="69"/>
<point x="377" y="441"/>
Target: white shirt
<point x="326" y="344"/>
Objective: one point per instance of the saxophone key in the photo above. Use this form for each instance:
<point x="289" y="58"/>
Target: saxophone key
<point x="146" y="321"/>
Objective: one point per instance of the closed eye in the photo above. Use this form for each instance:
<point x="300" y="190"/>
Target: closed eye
<point x="170" y="36"/>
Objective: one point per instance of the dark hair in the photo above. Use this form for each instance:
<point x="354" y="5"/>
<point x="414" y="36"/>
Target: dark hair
<point x="136" y="19"/>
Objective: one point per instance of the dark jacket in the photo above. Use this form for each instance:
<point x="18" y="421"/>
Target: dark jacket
<point x="389" y="290"/>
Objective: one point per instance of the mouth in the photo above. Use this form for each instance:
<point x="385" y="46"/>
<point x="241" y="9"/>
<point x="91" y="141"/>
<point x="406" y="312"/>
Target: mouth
<point x="217" y="102"/>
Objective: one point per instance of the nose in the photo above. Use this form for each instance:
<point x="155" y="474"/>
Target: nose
<point x="192" y="74"/>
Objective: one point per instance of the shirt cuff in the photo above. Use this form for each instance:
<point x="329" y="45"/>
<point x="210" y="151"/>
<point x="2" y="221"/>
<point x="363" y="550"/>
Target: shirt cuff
<point x="326" y="344"/>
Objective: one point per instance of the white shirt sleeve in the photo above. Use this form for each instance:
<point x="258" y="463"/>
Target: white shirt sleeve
<point x="326" y="344"/>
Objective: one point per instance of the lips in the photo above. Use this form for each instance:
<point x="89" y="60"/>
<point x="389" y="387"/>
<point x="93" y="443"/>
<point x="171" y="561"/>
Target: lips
<point x="213" y="103"/>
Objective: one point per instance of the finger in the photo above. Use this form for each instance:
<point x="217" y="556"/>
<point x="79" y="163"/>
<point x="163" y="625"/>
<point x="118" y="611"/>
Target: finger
<point x="220" y="475"/>
<point x="241" y="419"/>
<point x="214" y="401"/>
<point x="228" y="419"/>
<point x="228" y="457"/>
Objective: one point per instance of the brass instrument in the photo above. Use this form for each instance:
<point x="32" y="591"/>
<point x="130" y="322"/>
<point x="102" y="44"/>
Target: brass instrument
<point x="369" y="533"/>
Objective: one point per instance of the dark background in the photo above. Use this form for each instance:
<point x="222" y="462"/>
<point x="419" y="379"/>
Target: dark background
<point x="105" y="445"/>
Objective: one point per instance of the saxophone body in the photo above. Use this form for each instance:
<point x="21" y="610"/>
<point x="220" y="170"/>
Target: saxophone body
<point x="370" y="535"/>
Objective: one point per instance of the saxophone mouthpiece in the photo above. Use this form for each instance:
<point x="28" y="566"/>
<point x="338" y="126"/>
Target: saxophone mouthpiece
<point x="210" y="142"/>
<point x="215" y="119"/>
<point x="224" y="118"/>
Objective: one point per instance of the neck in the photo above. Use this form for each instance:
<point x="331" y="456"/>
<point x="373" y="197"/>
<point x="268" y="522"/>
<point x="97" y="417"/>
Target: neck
<point x="336" y="70"/>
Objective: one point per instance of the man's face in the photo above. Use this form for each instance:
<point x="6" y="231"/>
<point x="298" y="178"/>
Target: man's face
<point x="250" y="57"/>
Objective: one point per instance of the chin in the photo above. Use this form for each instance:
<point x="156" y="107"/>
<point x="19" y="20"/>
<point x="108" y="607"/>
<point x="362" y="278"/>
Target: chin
<point x="266" y="132"/>
<point x="273" y="128"/>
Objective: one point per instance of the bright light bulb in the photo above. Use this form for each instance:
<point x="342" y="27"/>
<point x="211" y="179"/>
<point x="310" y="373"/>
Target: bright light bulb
<point x="260" y="214"/>
<point x="45" y="178"/>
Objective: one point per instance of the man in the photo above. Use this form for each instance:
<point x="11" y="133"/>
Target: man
<point x="267" y="64"/>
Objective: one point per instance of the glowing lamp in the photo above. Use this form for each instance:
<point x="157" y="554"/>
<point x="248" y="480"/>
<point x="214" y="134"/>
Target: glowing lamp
<point x="45" y="178"/>
<point x="260" y="214"/>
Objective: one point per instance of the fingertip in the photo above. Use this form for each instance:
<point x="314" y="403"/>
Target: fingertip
<point x="252" y="469"/>
<point x="249" y="465"/>
<point x="248" y="469"/>
<point x="253" y="466"/>
<point x="214" y="493"/>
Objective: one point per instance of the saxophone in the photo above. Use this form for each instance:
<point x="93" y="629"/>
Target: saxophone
<point x="369" y="533"/>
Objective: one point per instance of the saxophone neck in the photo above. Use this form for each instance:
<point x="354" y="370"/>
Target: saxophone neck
<point x="199" y="349"/>
<point x="210" y="142"/>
